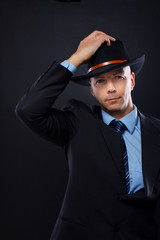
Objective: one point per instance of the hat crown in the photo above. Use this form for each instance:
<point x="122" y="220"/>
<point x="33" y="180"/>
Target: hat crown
<point x="116" y="51"/>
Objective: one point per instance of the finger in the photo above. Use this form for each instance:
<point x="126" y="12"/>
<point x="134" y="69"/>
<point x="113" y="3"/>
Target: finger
<point x="102" y="38"/>
<point x="108" y="42"/>
<point x="106" y="37"/>
<point x="96" y="33"/>
<point x="93" y="34"/>
<point x="111" y="38"/>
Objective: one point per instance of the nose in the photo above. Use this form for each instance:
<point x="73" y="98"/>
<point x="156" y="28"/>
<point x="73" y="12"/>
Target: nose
<point x="110" y="87"/>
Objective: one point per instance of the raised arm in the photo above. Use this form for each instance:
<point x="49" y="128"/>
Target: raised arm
<point x="35" y="110"/>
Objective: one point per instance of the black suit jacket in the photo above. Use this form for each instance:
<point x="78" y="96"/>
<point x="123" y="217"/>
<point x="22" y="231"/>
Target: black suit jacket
<point x="95" y="206"/>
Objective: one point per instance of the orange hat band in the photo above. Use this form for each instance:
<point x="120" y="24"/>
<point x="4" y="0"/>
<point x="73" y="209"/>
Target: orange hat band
<point x="105" y="63"/>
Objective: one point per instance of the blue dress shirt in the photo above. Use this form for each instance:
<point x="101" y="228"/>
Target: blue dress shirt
<point x="132" y="138"/>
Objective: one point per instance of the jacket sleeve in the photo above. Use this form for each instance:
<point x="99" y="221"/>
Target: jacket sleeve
<point x="35" y="111"/>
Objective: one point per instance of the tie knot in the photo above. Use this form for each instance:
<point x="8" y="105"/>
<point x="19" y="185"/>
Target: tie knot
<point x="118" y="126"/>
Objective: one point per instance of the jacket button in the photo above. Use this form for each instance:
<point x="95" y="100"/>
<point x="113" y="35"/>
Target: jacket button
<point x="116" y="228"/>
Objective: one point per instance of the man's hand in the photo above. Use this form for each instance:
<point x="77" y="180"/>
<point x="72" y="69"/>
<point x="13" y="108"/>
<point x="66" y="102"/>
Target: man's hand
<point x="88" y="46"/>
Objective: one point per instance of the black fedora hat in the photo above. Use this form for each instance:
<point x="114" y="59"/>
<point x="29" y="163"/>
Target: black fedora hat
<point x="107" y="59"/>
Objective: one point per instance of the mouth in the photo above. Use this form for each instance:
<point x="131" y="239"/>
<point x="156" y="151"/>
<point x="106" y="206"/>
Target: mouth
<point x="112" y="99"/>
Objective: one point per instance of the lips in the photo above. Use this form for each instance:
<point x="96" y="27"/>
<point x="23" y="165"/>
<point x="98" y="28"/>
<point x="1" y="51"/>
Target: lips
<point x="112" y="99"/>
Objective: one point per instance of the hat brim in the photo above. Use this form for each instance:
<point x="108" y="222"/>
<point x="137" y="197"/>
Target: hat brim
<point x="136" y="66"/>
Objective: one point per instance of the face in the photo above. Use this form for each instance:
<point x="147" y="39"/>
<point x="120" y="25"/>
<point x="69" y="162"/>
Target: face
<point x="113" y="91"/>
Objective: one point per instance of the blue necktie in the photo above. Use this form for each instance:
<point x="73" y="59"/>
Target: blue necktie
<point x="120" y="128"/>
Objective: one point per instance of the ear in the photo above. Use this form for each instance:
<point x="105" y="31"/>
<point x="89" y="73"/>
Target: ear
<point x="132" y="80"/>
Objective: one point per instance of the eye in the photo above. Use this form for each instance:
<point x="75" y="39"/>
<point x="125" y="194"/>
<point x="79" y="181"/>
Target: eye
<point x="119" y="77"/>
<point x="100" y="81"/>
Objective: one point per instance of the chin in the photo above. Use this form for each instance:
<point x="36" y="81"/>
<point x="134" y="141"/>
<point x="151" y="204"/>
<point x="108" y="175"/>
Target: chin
<point x="112" y="108"/>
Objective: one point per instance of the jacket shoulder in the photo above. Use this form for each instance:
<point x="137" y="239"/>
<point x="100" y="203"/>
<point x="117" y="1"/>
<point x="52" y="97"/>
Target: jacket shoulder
<point x="155" y="121"/>
<point x="74" y="104"/>
<point x="81" y="108"/>
<point x="149" y="121"/>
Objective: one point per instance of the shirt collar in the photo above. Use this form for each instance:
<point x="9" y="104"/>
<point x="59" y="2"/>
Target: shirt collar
<point x="130" y="120"/>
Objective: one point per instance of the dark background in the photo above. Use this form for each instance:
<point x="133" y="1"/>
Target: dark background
<point x="34" y="172"/>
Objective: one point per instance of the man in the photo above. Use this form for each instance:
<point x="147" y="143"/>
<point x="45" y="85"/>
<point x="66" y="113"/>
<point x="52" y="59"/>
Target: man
<point x="113" y="150"/>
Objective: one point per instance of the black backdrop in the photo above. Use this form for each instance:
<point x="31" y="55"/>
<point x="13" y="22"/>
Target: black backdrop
<point x="34" y="172"/>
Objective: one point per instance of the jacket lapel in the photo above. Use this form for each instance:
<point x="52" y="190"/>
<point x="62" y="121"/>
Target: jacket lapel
<point x="112" y="142"/>
<point x="150" y="139"/>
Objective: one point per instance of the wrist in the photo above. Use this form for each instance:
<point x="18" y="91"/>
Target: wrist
<point x="75" y="60"/>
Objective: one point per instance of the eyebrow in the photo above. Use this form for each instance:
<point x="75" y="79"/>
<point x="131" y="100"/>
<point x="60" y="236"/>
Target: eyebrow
<point x="119" y="71"/>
